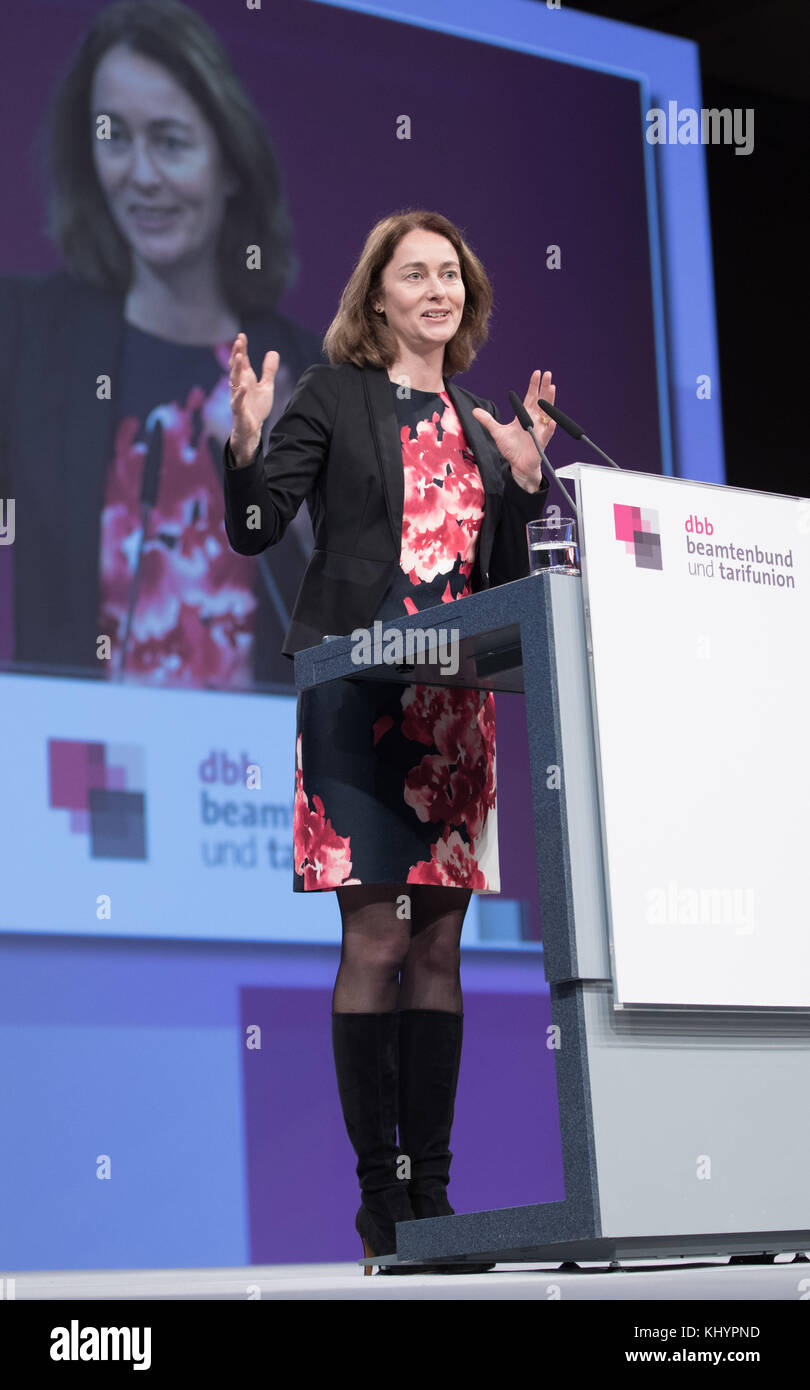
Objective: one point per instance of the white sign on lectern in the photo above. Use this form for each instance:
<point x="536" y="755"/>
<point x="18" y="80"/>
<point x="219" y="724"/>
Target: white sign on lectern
<point x="697" y="608"/>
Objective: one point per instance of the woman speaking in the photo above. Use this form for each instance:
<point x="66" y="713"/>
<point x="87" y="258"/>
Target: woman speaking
<point x="417" y="497"/>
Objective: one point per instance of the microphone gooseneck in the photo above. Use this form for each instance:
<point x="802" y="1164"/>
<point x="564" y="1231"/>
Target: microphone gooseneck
<point x="525" y="420"/>
<point x="571" y="427"/>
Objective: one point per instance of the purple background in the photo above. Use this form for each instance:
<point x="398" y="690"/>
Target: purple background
<point x="303" y="1192"/>
<point x="522" y="153"/>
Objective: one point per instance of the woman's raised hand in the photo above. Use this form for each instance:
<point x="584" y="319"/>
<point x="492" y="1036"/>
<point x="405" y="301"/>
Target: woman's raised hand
<point x="251" y="398"/>
<point x="514" y="443"/>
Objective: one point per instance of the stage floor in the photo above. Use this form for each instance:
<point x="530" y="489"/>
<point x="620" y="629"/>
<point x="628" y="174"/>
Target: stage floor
<point x="652" y="1280"/>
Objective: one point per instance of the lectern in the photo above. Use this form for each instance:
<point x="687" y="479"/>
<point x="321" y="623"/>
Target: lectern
<point x="666" y="694"/>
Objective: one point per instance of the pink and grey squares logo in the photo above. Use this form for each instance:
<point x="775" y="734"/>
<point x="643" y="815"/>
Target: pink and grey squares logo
<point x="101" y="786"/>
<point x="640" y="529"/>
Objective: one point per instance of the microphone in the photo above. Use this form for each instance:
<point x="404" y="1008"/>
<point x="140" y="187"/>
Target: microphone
<point x="149" y="492"/>
<point x="526" y="421"/>
<point x="571" y="427"/>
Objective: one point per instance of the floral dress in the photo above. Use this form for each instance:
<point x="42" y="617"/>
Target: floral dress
<point x="196" y="620"/>
<point x="396" y="783"/>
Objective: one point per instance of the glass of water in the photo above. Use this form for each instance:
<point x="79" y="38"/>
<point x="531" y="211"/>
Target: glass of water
<point x="553" y="546"/>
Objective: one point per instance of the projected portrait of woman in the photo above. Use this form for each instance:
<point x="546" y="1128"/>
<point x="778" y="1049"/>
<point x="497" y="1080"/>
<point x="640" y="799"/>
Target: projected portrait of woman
<point x="165" y="201"/>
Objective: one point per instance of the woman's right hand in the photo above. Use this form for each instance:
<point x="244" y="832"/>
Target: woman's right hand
<point x="251" y="399"/>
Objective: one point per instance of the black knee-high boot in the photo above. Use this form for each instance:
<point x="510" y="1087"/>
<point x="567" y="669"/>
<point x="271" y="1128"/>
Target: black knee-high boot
<point x="429" y="1058"/>
<point x="366" y="1050"/>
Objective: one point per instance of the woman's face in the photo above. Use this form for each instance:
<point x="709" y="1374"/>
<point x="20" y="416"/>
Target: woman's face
<point x="422" y="291"/>
<point x="161" y="169"/>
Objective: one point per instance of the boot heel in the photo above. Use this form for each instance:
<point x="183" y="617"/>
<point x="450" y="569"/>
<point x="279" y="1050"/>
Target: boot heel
<point x="366" y="1048"/>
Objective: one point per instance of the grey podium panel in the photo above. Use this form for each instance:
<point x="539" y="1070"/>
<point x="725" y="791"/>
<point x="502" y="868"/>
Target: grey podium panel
<point x="682" y="1135"/>
<point x="579" y="949"/>
<point x="682" y="1132"/>
<point x="700" y="1123"/>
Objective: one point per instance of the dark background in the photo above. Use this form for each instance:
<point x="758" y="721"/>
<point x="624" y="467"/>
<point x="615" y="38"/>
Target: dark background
<point x="754" y="55"/>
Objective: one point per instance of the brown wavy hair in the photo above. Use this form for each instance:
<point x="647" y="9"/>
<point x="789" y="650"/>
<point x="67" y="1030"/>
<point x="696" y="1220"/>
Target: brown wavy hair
<point x="357" y="334"/>
<point x="178" y="39"/>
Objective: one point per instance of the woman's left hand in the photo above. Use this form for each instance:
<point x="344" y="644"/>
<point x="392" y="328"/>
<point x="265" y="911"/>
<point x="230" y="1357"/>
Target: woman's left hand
<point x="516" y="444"/>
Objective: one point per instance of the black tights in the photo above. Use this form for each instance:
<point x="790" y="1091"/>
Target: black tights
<point x="400" y="949"/>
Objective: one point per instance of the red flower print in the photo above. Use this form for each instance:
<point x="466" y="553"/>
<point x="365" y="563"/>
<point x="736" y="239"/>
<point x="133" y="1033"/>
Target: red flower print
<point x="381" y="726"/>
<point x="430" y="793"/>
<point x="451" y="865"/>
<point x="321" y="855"/>
<point x="194" y="620"/>
<point x="422" y="705"/>
<point x="463" y="490"/>
<point x="444" y="498"/>
<point x="437" y="791"/>
<point x="457" y="785"/>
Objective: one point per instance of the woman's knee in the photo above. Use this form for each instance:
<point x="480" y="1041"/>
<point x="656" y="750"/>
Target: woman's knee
<point x="435" y="952"/>
<point x="383" y="950"/>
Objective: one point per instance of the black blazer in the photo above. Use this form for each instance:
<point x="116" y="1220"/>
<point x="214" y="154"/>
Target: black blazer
<point x="337" y="447"/>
